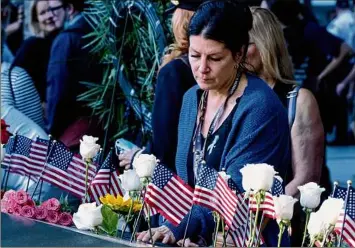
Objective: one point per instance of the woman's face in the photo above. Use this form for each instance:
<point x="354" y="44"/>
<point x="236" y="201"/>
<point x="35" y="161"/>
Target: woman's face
<point x="45" y="17"/>
<point x="59" y="13"/>
<point x="212" y="64"/>
<point x="254" y="62"/>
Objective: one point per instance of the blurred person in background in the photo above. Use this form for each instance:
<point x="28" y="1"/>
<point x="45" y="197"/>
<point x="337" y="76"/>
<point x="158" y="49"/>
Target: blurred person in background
<point x="45" y="23"/>
<point x="12" y="24"/>
<point x="269" y="59"/>
<point x="69" y="64"/>
<point x="327" y="59"/>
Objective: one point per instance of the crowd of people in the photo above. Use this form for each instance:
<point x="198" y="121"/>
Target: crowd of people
<point x="243" y="82"/>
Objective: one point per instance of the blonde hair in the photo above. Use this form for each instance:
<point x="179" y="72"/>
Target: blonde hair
<point x="268" y="37"/>
<point x="34" y="24"/>
<point x="180" y="23"/>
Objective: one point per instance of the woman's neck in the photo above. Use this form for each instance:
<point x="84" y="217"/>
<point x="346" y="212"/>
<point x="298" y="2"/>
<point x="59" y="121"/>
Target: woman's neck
<point x="222" y="92"/>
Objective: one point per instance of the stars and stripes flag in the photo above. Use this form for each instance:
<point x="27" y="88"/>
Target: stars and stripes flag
<point x="67" y="170"/>
<point x="28" y="157"/>
<point x="9" y="148"/>
<point x="240" y="236"/>
<point x="169" y="195"/>
<point x="212" y="191"/>
<point x="268" y="205"/>
<point x="349" y="211"/>
<point x="106" y="180"/>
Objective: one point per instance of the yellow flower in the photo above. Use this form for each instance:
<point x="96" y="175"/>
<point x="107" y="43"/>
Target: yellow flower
<point x="137" y="207"/>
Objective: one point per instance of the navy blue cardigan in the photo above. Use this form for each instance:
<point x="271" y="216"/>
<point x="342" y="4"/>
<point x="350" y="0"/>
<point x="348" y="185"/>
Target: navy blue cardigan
<point x="259" y="134"/>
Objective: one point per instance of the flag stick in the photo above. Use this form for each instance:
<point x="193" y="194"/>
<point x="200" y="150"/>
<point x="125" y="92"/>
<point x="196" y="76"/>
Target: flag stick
<point x="138" y="218"/>
<point x="334" y="187"/>
<point x="44" y="167"/>
<point x="346" y="206"/>
<point x="259" y="229"/>
<point x="246" y="225"/>
<point x="9" y="167"/>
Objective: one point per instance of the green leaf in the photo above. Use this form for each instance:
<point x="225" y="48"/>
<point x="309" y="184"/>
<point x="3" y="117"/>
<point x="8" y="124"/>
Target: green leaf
<point x="110" y="220"/>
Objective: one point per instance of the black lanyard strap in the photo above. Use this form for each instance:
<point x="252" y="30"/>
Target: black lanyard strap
<point x="199" y="148"/>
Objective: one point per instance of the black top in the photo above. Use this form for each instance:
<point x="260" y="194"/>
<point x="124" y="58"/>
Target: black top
<point x="33" y="56"/>
<point x="174" y="79"/>
<point x="281" y="90"/>
<point x="214" y="147"/>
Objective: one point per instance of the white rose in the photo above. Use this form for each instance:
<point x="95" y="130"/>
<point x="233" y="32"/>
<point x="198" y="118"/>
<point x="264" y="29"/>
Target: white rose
<point x="2" y="155"/>
<point x="283" y="205"/>
<point x="310" y="195"/>
<point x="130" y="181"/>
<point x="224" y="176"/>
<point x="88" y="147"/>
<point x="316" y="225"/>
<point x="145" y="165"/>
<point x="330" y="210"/>
<point x="257" y="177"/>
<point x="88" y="216"/>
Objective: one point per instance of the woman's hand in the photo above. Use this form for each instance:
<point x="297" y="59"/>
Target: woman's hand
<point x="188" y="243"/>
<point x="160" y="233"/>
<point x="126" y="157"/>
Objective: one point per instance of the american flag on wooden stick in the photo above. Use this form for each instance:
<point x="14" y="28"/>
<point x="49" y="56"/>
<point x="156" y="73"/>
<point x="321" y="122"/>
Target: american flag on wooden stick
<point x="212" y="191"/>
<point x="169" y="195"/>
<point x="106" y="180"/>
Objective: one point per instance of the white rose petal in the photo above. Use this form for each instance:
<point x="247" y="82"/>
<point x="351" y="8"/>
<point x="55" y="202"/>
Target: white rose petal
<point x="145" y="165"/>
<point x="310" y="195"/>
<point x="257" y="177"/>
<point x="88" y="147"/>
<point x="316" y="225"/>
<point x="88" y="216"/>
<point x="330" y="210"/>
<point x="284" y="207"/>
<point x="130" y="181"/>
<point x="224" y="176"/>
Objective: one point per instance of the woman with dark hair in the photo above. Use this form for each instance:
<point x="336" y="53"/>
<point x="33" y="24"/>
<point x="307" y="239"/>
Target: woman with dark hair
<point x="236" y="115"/>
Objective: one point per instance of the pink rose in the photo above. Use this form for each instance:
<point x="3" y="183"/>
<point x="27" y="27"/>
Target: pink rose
<point x="30" y="203"/>
<point x="10" y="194"/>
<point x="21" y="197"/>
<point x="53" y="216"/>
<point x="17" y="210"/>
<point x="52" y="204"/>
<point x="11" y="205"/>
<point x="65" y="219"/>
<point x="4" y="206"/>
<point x="41" y="213"/>
<point x="28" y="211"/>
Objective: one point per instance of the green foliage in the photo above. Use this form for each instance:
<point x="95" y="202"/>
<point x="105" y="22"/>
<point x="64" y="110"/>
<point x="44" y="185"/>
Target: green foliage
<point x="110" y="221"/>
<point x="121" y="36"/>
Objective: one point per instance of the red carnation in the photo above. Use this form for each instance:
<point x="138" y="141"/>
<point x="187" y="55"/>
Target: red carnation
<point x="53" y="216"/>
<point x="52" y="204"/>
<point x="21" y="197"/>
<point x="28" y="211"/>
<point x="5" y="135"/>
<point x="41" y="213"/>
<point x="65" y="219"/>
<point x="17" y="210"/>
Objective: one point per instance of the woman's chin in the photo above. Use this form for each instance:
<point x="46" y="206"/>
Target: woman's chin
<point x="204" y="85"/>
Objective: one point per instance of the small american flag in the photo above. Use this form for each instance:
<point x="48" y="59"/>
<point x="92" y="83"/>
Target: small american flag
<point x="213" y="192"/>
<point x="9" y="148"/>
<point x="349" y="221"/>
<point x="169" y="195"/>
<point x="106" y="180"/>
<point x="238" y="236"/>
<point x="26" y="158"/>
<point x="66" y="170"/>
<point x="268" y="205"/>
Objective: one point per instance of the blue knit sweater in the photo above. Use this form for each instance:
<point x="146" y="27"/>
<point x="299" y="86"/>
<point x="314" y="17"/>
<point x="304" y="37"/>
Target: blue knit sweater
<point x="259" y="134"/>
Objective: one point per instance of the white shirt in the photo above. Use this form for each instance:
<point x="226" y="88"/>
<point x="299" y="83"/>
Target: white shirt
<point x="343" y="26"/>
